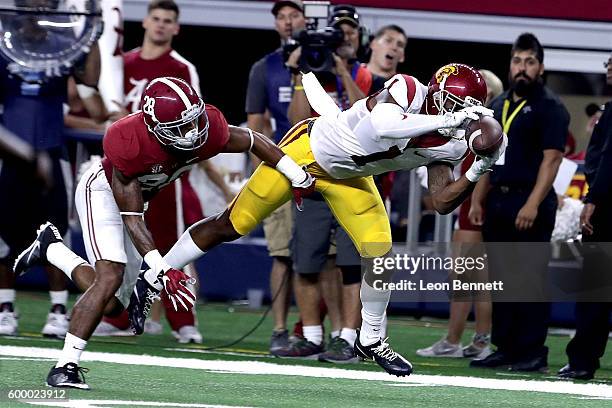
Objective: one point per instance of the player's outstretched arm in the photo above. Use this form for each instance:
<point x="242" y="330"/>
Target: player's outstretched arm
<point x="128" y="196"/>
<point x="243" y="140"/>
<point x="446" y="193"/>
<point x="390" y="121"/>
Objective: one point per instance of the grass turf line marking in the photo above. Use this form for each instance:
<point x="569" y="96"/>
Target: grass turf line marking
<point x="87" y="403"/>
<point x="265" y="368"/>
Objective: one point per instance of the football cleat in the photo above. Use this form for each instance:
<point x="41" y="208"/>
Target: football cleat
<point x="8" y="323"/>
<point x="68" y="376"/>
<point x="36" y="253"/>
<point x="380" y="352"/>
<point x="188" y="334"/>
<point x="152" y="327"/>
<point x="143" y="297"/>
<point x="57" y="323"/>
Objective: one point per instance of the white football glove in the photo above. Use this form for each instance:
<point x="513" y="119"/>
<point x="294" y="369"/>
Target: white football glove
<point x="479" y="110"/>
<point x="456" y="119"/>
<point x="483" y="164"/>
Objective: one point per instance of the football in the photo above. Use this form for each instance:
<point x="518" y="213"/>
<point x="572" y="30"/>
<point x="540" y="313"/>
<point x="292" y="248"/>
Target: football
<point x="484" y="136"/>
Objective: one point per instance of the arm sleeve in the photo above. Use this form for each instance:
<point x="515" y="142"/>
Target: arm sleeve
<point x="256" y="90"/>
<point x="390" y="121"/>
<point x="554" y="127"/>
<point x="601" y="187"/>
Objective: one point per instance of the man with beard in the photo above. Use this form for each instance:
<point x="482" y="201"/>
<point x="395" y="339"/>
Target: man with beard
<point x="520" y="207"/>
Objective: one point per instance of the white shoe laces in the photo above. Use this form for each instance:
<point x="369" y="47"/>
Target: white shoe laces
<point x="385" y="351"/>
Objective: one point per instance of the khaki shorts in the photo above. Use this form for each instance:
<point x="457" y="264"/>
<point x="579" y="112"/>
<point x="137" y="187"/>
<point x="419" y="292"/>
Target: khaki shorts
<point x="278" y="229"/>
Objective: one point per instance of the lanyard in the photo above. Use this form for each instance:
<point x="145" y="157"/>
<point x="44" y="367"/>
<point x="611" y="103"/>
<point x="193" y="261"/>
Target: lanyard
<point x="507" y="121"/>
<point x="342" y="102"/>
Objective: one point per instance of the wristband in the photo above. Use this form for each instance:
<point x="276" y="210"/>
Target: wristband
<point x="156" y="262"/>
<point x="252" y="138"/>
<point x="291" y="170"/>
<point x="298" y="88"/>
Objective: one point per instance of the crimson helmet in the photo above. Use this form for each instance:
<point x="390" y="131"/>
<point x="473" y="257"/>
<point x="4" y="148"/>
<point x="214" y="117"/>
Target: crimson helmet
<point x="454" y="87"/>
<point x="175" y="113"/>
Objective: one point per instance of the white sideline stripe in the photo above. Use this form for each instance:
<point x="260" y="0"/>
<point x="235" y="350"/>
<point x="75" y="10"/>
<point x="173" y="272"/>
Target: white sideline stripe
<point x="257" y="367"/>
<point x="91" y="403"/>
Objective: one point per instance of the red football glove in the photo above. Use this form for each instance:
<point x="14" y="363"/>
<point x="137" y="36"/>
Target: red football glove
<point x="304" y="189"/>
<point x="175" y="284"/>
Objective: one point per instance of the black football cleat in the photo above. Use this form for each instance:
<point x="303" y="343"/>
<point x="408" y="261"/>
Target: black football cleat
<point x="141" y="300"/>
<point x="391" y="361"/>
<point x="68" y="376"/>
<point x="36" y="253"/>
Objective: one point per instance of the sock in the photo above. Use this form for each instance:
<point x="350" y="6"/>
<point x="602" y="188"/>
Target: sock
<point x="71" y="353"/>
<point x="62" y="257"/>
<point x="7" y="296"/>
<point x="335" y="334"/>
<point x="58" y="297"/>
<point x="374" y="304"/>
<point x="348" y="334"/>
<point x="183" y="252"/>
<point x="314" y="334"/>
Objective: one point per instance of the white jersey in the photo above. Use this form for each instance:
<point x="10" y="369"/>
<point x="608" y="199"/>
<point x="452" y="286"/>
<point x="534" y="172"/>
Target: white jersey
<point x="359" y="142"/>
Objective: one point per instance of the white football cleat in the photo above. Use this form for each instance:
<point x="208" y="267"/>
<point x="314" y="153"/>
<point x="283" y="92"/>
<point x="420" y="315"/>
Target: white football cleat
<point x="153" y="327"/>
<point x="8" y="324"/>
<point x="106" y="329"/>
<point x="188" y="334"/>
<point x="56" y="326"/>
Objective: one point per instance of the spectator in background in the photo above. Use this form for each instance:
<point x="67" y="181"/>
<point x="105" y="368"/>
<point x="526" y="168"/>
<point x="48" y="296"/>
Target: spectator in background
<point x="269" y="93"/>
<point x="316" y="278"/>
<point x="156" y="58"/>
<point x="38" y="120"/>
<point x="388" y="51"/>
<point x="465" y="236"/>
<point x="593" y="316"/>
<point x="521" y="207"/>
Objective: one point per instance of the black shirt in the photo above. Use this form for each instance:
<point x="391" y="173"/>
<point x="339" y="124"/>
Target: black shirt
<point x="598" y="160"/>
<point x="540" y="124"/>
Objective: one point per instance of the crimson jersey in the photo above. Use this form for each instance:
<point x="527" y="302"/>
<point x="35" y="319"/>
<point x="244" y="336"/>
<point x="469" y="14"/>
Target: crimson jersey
<point x="138" y="72"/>
<point x="135" y="152"/>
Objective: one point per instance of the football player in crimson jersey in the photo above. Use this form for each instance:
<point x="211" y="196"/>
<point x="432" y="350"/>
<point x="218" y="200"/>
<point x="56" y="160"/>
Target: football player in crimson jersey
<point x="144" y="152"/>
<point x="343" y="150"/>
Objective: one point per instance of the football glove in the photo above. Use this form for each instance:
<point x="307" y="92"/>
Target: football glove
<point x="303" y="189"/>
<point x="175" y="284"/>
<point x="483" y="164"/>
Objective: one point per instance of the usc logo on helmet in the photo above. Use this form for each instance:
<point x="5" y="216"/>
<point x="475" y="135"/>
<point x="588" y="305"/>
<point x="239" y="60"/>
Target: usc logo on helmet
<point x="445" y="72"/>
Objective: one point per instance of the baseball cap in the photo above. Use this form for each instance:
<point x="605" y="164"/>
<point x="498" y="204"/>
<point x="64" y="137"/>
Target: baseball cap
<point x="344" y="13"/>
<point x="296" y="4"/>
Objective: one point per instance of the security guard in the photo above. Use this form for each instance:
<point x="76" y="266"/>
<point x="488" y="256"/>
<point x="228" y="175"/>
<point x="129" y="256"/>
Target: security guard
<point x="520" y="207"/>
<point x="592" y="317"/>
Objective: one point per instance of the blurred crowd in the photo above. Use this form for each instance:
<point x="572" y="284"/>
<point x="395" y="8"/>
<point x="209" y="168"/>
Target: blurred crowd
<point x="314" y="260"/>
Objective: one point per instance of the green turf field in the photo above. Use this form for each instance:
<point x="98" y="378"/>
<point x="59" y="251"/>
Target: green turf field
<point x="157" y="371"/>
